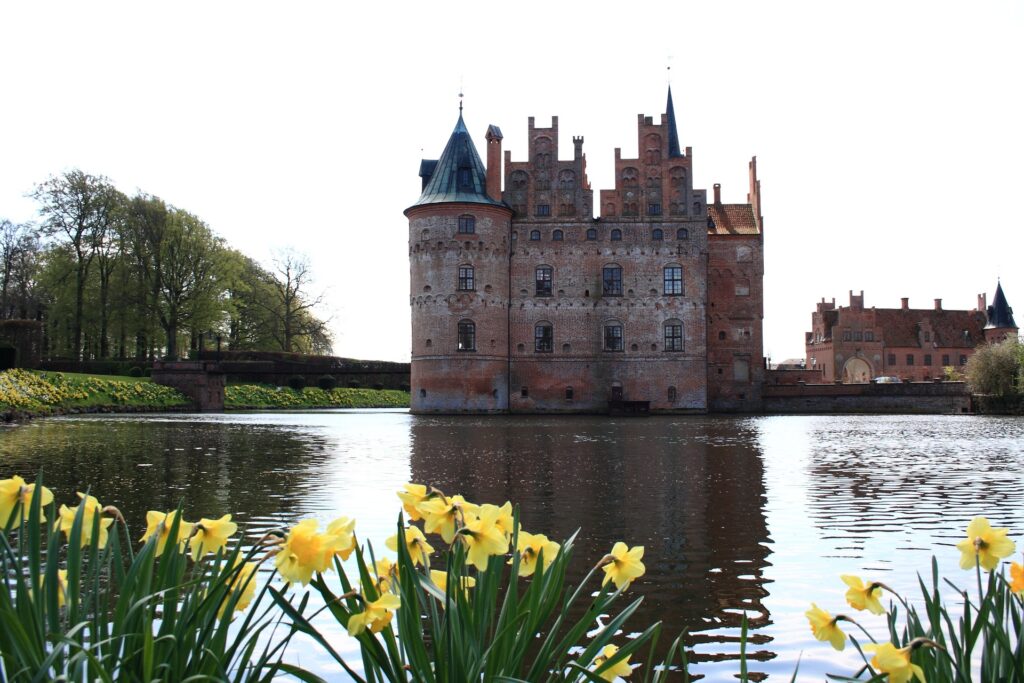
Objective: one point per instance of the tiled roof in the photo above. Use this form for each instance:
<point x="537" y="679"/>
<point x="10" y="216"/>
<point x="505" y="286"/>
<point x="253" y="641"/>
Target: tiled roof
<point x="446" y="184"/>
<point x="957" y="329"/>
<point x="732" y="219"/>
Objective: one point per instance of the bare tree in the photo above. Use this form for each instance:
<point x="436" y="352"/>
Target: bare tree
<point x="290" y="305"/>
<point x="19" y="254"/>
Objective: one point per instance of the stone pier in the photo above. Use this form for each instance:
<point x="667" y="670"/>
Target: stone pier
<point x="201" y="381"/>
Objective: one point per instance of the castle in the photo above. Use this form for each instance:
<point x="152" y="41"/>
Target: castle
<point x="524" y="302"/>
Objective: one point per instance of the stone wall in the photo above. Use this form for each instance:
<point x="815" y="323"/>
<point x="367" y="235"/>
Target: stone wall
<point x="926" y="398"/>
<point x="201" y="381"/>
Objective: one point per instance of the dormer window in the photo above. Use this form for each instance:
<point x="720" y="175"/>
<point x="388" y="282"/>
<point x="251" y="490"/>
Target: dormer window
<point x="465" y="178"/>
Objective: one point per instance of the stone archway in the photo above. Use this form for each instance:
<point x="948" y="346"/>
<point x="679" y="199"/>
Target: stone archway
<point x="856" y="371"/>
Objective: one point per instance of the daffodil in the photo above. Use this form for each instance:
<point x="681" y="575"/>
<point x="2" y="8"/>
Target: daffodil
<point x="530" y="547"/>
<point x="440" y="580"/>
<point x="210" y="535"/>
<point x="15" y="491"/>
<point x="824" y="627"/>
<point x="376" y="615"/>
<point x="415" y="543"/>
<point x="984" y="545"/>
<point x="159" y="524"/>
<point x="483" y="537"/>
<point x="444" y="515"/>
<point x="1017" y="578"/>
<point x="243" y="583"/>
<point x="92" y="508"/>
<point x="345" y="529"/>
<point x="894" y="661"/>
<point x="623" y="565"/>
<point x="619" y="668"/>
<point x="503" y="517"/>
<point x="387" y="571"/>
<point x="861" y="597"/>
<point x="62" y="585"/>
<point x="412" y="495"/>
<point x="305" y="551"/>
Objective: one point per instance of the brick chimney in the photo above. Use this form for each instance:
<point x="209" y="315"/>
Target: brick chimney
<point x="718" y="194"/>
<point x="905" y="303"/>
<point x="983" y="302"/>
<point x="494" y="138"/>
<point x="938" y="304"/>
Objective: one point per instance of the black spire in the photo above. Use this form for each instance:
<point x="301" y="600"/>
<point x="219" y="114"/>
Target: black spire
<point x="673" y="135"/>
<point x="459" y="175"/>
<point x="1000" y="315"/>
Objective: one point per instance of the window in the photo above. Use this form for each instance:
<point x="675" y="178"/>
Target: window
<point x="672" y="394"/>
<point x="466" y="283"/>
<point x="467" y="225"/>
<point x="846" y="335"/>
<point x="568" y="393"/>
<point x="673" y="335"/>
<point x="515" y="235"/>
<point x="945" y="359"/>
<point x="673" y="280"/>
<point x="744" y="254"/>
<point x="910" y="359"/>
<point x="654" y="209"/>
<point x="963" y="359"/>
<point x="741" y="370"/>
<point x="857" y="335"/>
<point x="591" y="234"/>
<point x="611" y="277"/>
<point x="465" y="178"/>
<point x="927" y="336"/>
<point x="613" y="337"/>
<point x="890" y="359"/>
<point x="743" y="287"/>
<point x="682" y="234"/>
<point x="543" y="338"/>
<point x="721" y="335"/>
<point x="928" y="359"/>
<point x="557" y="236"/>
<point x="524" y="392"/>
<point x="535" y="235"/>
<point x="423" y="393"/>
<point x="657" y="235"/>
<point x="869" y="335"/>
<point x="467" y="336"/>
<point x="543" y="280"/>
<point x="616" y="235"/>
<point x="543" y="210"/>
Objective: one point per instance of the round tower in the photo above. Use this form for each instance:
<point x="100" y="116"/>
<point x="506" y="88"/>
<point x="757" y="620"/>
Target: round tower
<point x="1000" y="323"/>
<point x="459" y="281"/>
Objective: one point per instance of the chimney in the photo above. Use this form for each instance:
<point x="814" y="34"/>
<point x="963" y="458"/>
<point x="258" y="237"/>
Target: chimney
<point x="938" y="304"/>
<point x="982" y="302"/>
<point x="905" y="303"/>
<point x="494" y="138"/>
<point x="718" y="194"/>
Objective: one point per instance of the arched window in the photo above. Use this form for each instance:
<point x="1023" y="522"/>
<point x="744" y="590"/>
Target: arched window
<point x="682" y="234"/>
<point x="673" y="335"/>
<point x="557" y="235"/>
<point x="611" y="280"/>
<point x="616" y="235"/>
<point x="613" y="340"/>
<point x="467" y="336"/>
<point x="673" y="395"/>
<point x="543" y="280"/>
<point x="543" y="337"/>
<point x="568" y="393"/>
<point x="657" y="234"/>
<point x="466" y="280"/>
<point x="467" y="225"/>
<point x="721" y="335"/>
<point x="535" y="235"/>
<point x="673" y="279"/>
<point x="591" y="234"/>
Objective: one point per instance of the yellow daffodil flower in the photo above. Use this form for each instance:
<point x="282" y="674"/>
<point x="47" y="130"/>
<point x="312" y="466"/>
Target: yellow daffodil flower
<point x="15" y="491"/>
<point x="159" y="524"/>
<point x="376" y="616"/>
<point x="440" y="580"/>
<point x="861" y="597"/>
<point x="210" y="535"/>
<point x="623" y="565"/>
<point x="444" y="515"/>
<point x="412" y="495"/>
<point x="530" y="547"/>
<point x="243" y="581"/>
<point x="894" y="661"/>
<point x="1017" y="578"/>
<point x="483" y="537"/>
<point x="62" y="585"/>
<point x="92" y="509"/>
<point x="503" y="517"/>
<point x="619" y="668"/>
<point x="387" y="571"/>
<point x="824" y="627"/>
<point x="305" y="551"/>
<point x="415" y="543"/>
<point x="984" y="545"/>
<point x="345" y="529"/>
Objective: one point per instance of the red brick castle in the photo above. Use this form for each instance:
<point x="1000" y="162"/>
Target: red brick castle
<point x="523" y="301"/>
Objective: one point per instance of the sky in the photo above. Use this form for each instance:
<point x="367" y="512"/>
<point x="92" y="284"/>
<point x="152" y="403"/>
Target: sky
<point x="889" y="135"/>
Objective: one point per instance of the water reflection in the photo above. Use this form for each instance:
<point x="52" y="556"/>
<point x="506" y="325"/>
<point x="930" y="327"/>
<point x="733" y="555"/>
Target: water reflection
<point x="690" y="491"/>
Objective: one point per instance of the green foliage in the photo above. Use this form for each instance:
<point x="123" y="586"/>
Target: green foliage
<point x="326" y="382"/>
<point x="262" y="396"/>
<point x="297" y="382"/>
<point x="135" y="371"/>
<point x="997" y="369"/>
<point x="42" y="392"/>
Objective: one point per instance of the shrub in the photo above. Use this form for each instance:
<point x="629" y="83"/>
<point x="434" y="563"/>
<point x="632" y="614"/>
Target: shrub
<point x="326" y="382"/>
<point x="378" y="386"/>
<point x="354" y="384"/>
<point x="404" y="386"/>
<point x="297" y="382"/>
<point x="997" y="369"/>
<point x="135" y="371"/>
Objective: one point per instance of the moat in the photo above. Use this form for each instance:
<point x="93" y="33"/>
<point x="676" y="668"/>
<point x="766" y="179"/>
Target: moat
<point x="755" y="515"/>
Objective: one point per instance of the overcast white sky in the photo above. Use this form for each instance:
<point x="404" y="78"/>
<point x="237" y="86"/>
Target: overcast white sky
<point x="889" y="135"/>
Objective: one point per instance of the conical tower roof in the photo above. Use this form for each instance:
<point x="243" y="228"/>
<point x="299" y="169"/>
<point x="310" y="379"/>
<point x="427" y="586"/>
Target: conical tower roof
<point x="1000" y="315"/>
<point x="459" y="175"/>
<point x="673" y="134"/>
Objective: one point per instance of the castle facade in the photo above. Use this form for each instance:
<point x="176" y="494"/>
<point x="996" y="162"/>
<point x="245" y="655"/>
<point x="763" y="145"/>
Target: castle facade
<point x="524" y="302"/>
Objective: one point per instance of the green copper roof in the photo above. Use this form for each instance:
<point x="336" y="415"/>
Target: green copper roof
<point x="1000" y="315"/>
<point x="458" y="176"/>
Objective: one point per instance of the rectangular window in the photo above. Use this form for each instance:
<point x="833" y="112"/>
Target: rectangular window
<point x="467" y="225"/>
<point x="654" y="209"/>
<point x="928" y="359"/>
<point x="963" y="359"/>
<point x="743" y="288"/>
<point x="673" y="280"/>
<point x="869" y="336"/>
<point x="543" y="209"/>
<point x="613" y="337"/>
<point x="543" y="281"/>
<point x="945" y="359"/>
<point x="857" y="335"/>
<point x="910" y="359"/>
<point x="467" y="336"/>
<point x="890" y="359"/>
<point x="674" y="337"/>
<point x="543" y="338"/>
<point x="846" y="335"/>
<point x="524" y="392"/>
<point x="612" y="280"/>
<point x="466" y="283"/>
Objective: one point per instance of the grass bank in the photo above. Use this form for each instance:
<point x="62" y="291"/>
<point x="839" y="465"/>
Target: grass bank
<point x="264" y="397"/>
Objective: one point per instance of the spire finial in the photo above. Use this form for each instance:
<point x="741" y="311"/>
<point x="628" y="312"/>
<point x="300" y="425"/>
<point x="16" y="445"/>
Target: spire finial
<point x="668" y="70"/>
<point x="460" y="95"/>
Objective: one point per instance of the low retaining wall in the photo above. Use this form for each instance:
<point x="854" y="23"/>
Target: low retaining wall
<point x="253" y="367"/>
<point x="201" y="381"/>
<point x="925" y="398"/>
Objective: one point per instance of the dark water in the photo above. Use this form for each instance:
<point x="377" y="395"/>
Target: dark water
<point x="754" y="516"/>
